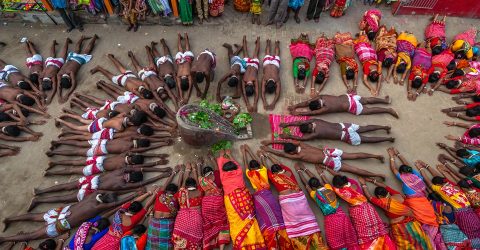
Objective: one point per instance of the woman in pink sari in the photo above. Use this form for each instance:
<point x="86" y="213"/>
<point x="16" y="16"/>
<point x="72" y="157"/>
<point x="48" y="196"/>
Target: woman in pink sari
<point x="463" y="43"/>
<point x="371" y="23"/>
<point x="324" y="54"/>
<point x="435" y="34"/>
<point x="302" y="52"/>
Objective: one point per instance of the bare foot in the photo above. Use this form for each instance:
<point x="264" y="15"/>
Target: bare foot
<point x="6" y="223"/>
<point x="388" y="128"/>
<point x="226" y="45"/>
<point x="50" y="165"/>
<point x="388" y="100"/>
<point x="130" y="54"/>
<point x="95" y="70"/>
<point x="391" y="139"/>
<point x="394" y="113"/>
<point x="32" y="205"/>
<point x="381" y="158"/>
<point x="49" y="153"/>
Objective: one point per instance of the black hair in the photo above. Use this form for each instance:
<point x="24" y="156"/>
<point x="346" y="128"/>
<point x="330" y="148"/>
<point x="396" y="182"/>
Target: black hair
<point x="474" y="132"/>
<point x="434" y="197"/>
<point x="249" y="90"/>
<point x="314" y="105"/>
<point x="143" y="143"/>
<point x="190" y="182"/>
<point x="271" y="86"/>
<point x="417" y="82"/>
<point x="135" y="207"/>
<point x="199" y="77"/>
<point x="24" y="85"/>
<point x="25" y="112"/>
<point x="232" y="82"/>
<point x="468" y="171"/>
<point x="170" y="82"/>
<point x="137" y="159"/>
<point x="463" y="153"/>
<point x="460" y="54"/>
<point x="108" y="197"/>
<point x="171" y="187"/>
<point x="4" y="117"/>
<point x="113" y="113"/>
<point x="49" y="244"/>
<point x="138" y="118"/>
<point x="302" y="73"/>
<point x="160" y="112"/>
<point x="436" y="50"/>
<point x="12" y="130"/>
<point x="434" y="77"/>
<point x="339" y="181"/>
<point x="229" y="166"/>
<point x="46" y="84"/>
<point x="304" y="128"/>
<point x="437" y="180"/>
<point x="276" y="168"/>
<point x="401" y="68"/>
<point x="476" y="98"/>
<point x="206" y="170"/>
<point x="289" y="148"/>
<point x="102" y="224"/>
<point x="350" y="74"/>
<point x="458" y="72"/>
<point x="387" y="62"/>
<point x="452" y="65"/>
<point x="320" y="77"/>
<point x="135" y="176"/>
<point x="65" y="82"/>
<point x="463" y="183"/>
<point x="314" y="182"/>
<point x="26" y="100"/>
<point x="404" y="169"/>
<point x="380" y="192"/>
<point x="451" y="84"/>
<point x="147" y="94"/>
<point x="472" y="112"/>
<point x="253" y="164"/>
<point x="145" y="130"/>
<point x="184" y="85"/>
<point x="373" y="76"/>
<point x="371" y="35"/>
<point x="34" y="78"/>
<point x="139" y="229"/>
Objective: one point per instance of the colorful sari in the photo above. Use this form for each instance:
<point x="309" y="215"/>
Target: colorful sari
<point x="186" y="15"/>
<point x="188" y="228"/>
<point x="216" y="7"/>
<point x="371" y="20"/>
<point x="215" y="224"/>
<point x="242" y="5"/>
<point x="160" y="233"/>
<point x="339" y="8"/>
<point x="386" y="40"/>
<point x="407" y="42"/>
<point x="364" y="49"/>
<point x="464" y="42"/>
<point x="324" y="54"/>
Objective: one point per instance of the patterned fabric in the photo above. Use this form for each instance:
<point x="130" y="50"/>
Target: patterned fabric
<point x="324" y="54"/>
<point x="215" y="223"/>
<point x="367" y="222"/>
<point x="275" y="121"/>
<point x="160" y="233"/>
<point x="107" y="242"/>
<point x="412" y="185"/>
<point x="350" y="61"/>
<point x="453" y="237"/>
<point x="443" y="58"/>
<point x="269" y="216"/>
<point x="188" y="228"/>
<point x="468" y="222"/>
<point x="452" y="194"/>
<point x="364" y="49"/>
<point x="339" y="230"/>
<point x="299" y="218"/>
<point x="386" y="39"/>
<point x="422" y="210"/>
<point x="242" y="202"/>
<point x="410" y="235"/>
<point x="256" y="7"/>
<point x="300" y="48"/>
<point x="467" y="36"/>
<point x="311" y="242"/>
<point x="435" y="29"/>
<point x="371" y="20"/>
<point x="81" y="235"/>
<point x="216" y="7"/>
<point x="242" y="5"/>
<point x="422" y="58"/>
<point x="338" y="8"/>
<point x="326" y="199"/>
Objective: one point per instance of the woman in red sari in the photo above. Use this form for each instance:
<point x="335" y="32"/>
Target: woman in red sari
<point x="188" y="229"/>
<point x="216" y="232"/>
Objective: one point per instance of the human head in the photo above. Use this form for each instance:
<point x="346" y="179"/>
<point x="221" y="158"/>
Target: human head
<point x="184" y="85"/>
<point x="65" y="82"/>
<point x="159" y="112"/>
<point x="170" y="82"/>
<point x="49" y="244"/>
<point x="24" y="85"/>
<point x="460" y="54"/>
<point x="249" y="90"/>
<point x="387" y="62"/>
<point x="476" y="98"/>
<point x="253" y="164"/>
<point x="462" y="153"/>
<point x="437" y="180"/>
<point x="314" y="182"/>
<point x="271" y="86"/>
<point x="339" y="181"/>
<point x="314" y="105"/>
<point x="473" y="112"/>
<point x="468" y="171"/>
<point x="452" y="65"/>
<point x="464" y="183"/>
<point x="233" y="81"/>
<point x="373" y="76"/>
<point x="404" y="169"/>
<point x="417" y="82"/>
<point x="451" y="84"/>
<point x="401" y="68"/>
<point x="138" y="117"/>
<point x="46" y="84"/>
<point x="474" y="132"/>
<point x="25" y="112"/>
<point x="4" y="117"/>
<point x="207" y="170"/>
<point x="434" y="77"/>
<point x="190" y="182"/>
<point x="139" y="229"/>
<point x="229" y="166"/>
<point x="102" y="224"/>
<point x="276" y="168"/>
<point x="371" y="35"/>
<point x="199" y="77"/>
<point x="319" y="78"/>
<point x="143" y="143"/>
<point x="136" y="159"/>
<point x="171" y="188"/>
<point x="302" y="73"/>
<point x="306" y="128"/>
<point x="145" y="130"/>
<point x="350" y="74"/>
<point x="113" y="113"/>
<point x="458" y="72"/>
<point x="26" y="100"/>
<point x="147" y="94"/>
<point x="290" y="148"/>
<point x="33" y="78"/>
<point x="108" y="197"/>
<point x="134" y="207"/>
<point x="381" y="192"/>
<point x="437" y="49"/>
<point x="135" y="176"/>
<point x="11" y="130"/>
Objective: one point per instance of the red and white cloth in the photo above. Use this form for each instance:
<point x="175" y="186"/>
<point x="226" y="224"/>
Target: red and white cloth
<point x="365" y="52"/>
<point x="87" y="185"/>
<point x="350" y="134"/>
<point x="466" y="139"/>
<point x="271" y="60"/>
<point x="332" y="158"/>
<point x="121" y="79"/>
<point x="355" y="106"/>
<point x="34" y="60"/>
<point x="183" y="57"/>
<point x="252" y="62"/>
<point x="94" y="165"/>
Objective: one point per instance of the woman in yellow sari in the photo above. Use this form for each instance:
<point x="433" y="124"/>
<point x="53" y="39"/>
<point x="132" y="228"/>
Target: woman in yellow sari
<point x="406" y="44"/>
<point x="244" y="228"/>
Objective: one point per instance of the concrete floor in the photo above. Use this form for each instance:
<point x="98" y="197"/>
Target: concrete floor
<point x="416" y="132"/>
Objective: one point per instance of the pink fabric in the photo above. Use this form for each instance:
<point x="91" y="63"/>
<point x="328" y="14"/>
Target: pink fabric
<point x="275" y="121"/>
<point x="299" y="49"/>
<point x="405" y="46"/>
<point x="365" y="52"/>
<point x="475" y="65"/>
<point x="466" y="139"/>
<point x="324" y="53"/>
<point x="435" y="29"/>
<point x="443" y="58"/>
<point x="422" y="58"/>
<point x="371" y="17"/>
<point x="468" y="36"/>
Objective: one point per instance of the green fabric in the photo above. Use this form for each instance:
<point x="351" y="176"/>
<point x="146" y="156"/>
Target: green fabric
<point x="83" y="2"/>
<point x="475" y="182"/>
<point x="296" y="62"/>
<point x="186" y="11"/>
<point x="156" y="6"/>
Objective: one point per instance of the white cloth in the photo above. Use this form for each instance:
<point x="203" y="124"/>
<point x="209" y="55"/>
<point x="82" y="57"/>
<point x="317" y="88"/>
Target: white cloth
<point x="211" y="54"/>
<point x="127" y="98"/>
<point x="253" y="62"/>
<point x="121" y="79"/>
<point x="96" y="125"/>
<point x="92" y="185"/>
<point x="355" y="106"/>
<point x="353" y="137"/>
<point x="236" y="60"/>
<point x="186" y="56"/>
<point x="144" y="73"/>
<point x="56" y="62"/>
<point x="104" y="134"/>
<point x="164" y="59"/>
<point x="333" y="159"/>
<point x="52" y="216"/>
<point x="2" y="84"/>
<point x="98" y="149"/>
<point x="35" y="59"/>
<point x="90" y="114"/>
<point x="271" y="60"/>
<point x="79" y="58"/>
<point x="6" y="71"/>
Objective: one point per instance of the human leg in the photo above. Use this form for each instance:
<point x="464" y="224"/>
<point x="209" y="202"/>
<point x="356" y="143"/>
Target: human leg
<point x="375" y="100"/>
<point x="66" y="163"/>
<point x="80" y="144"/>
<point x="69" y="171"/>
<point x="90" y="45"/>
<point x="64" y="51"/>
<point x="57" y="188"/>
<point x="59" y="122"/>
<point x="368" y="128"/>
<point x="75" y="152"/>
<point x="117" y="63"/>
<point x="52" y="199"/>
<point x="378" y="110"/>
<point x="375" y="139"/>
<point x="355" y="156"/>
<point x="103" y="71"/>
<point x="135" y="62"/>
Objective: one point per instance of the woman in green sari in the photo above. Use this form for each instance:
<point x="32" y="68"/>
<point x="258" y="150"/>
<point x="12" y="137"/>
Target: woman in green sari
<point x="186" y="15"/>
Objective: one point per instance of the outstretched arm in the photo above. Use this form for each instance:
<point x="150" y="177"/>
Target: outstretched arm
<point x="366" y="192"/>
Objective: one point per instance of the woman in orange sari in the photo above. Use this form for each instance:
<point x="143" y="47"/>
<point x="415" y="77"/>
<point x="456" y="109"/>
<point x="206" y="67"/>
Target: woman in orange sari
<point x="244" y="228"/>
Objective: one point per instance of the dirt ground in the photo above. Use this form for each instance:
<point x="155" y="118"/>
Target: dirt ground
<point x="416" y="132"/>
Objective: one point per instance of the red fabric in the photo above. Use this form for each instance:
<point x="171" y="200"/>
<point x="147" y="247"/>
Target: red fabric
<point x="135" y="219"/>
<point x="455" y="91"/>
<point x="472" y="105"/>
<point x="171" y="206"/>
<point x="214" y="219"/>
<point x="339" y="231"/>
<point x="231" y="180"/>
<point x="367" y="222"/>
<point x="285" y="182"/>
